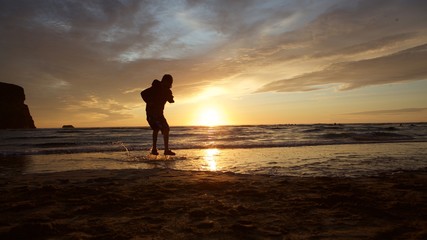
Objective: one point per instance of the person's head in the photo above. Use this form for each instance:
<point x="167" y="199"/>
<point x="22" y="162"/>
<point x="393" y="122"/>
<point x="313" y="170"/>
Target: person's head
<point x="167" y="80"/>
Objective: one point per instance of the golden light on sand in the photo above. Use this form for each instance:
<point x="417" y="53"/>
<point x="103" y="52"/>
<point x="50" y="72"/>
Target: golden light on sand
<point x="210" y="116"/>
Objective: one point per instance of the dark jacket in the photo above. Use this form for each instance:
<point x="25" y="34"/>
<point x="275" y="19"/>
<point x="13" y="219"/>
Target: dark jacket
<point x="156" y="97"/>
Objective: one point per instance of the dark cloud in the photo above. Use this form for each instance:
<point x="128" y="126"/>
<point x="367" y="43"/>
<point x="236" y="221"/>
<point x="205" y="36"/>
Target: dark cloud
<point x="70" y="41"/>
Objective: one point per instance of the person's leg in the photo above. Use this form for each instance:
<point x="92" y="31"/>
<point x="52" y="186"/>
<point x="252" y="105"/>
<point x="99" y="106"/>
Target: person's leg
<point x="155" y="134"/>
<point x="165" y="133"/>
<point x="166" y="141"/>
<point x="155" y="126"/>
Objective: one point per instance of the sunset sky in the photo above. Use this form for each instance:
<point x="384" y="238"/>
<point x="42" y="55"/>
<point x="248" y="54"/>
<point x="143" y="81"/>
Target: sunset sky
<point x="238" y="62"/>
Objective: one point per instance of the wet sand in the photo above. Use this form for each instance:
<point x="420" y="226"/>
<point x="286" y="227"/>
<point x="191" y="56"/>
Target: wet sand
<point x="168" y="204"/>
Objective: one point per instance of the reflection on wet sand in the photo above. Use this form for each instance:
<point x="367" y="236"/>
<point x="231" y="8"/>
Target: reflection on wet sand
<point x="210" y="158"/>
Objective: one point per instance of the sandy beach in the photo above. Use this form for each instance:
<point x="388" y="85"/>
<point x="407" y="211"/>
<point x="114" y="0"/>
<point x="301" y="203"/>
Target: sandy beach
<point x="168" y="204"/>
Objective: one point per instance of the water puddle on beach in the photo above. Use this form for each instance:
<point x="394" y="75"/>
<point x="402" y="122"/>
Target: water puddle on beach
<point x="330" y="160"/>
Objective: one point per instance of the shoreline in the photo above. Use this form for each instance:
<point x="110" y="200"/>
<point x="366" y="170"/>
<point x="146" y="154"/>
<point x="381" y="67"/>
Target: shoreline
<point x="173" y="204"/>
<point x="351" y="160"/>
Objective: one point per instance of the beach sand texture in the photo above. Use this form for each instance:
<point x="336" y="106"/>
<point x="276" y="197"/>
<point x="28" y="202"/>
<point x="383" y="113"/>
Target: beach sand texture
<point x="168" y="204"/>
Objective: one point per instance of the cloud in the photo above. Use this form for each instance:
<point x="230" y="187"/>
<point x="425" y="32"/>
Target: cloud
<point x="103" y="109"/>
<point x="89" y="43"/>
<point x="344" y="40"/>
<point x="372" y="48"/>
<point x="390" y="111"/>
<point x="68" y="49"/>
<point x="407" y="65"/>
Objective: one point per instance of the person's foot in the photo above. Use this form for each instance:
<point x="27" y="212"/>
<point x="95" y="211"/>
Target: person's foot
<point x="154" y="152"/>
<point x="169" y="152"/>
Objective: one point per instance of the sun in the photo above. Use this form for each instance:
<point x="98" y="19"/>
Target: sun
<point x="210" y="117"/>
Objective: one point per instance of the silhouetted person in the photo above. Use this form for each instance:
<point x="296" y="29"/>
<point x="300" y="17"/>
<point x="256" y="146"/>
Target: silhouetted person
<point x="156" y="97"/>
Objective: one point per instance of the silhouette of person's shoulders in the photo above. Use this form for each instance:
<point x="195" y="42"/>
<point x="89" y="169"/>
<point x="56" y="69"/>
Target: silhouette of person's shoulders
<point x="149" y="94"/>
<point x="156" y="84"/>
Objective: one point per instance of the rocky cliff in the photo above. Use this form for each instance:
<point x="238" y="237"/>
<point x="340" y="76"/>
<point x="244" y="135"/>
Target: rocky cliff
<point x="13" y="112"/>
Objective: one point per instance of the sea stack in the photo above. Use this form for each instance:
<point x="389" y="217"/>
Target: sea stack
<point x="14" y="114"/>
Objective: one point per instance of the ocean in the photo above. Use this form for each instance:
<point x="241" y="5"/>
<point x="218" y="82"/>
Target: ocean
<point x="344" y="150"/>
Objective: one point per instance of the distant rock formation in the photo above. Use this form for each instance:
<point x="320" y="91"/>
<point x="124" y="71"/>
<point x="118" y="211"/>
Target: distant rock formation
<point x="67" y="126"/>
<point x="13" y="112"/>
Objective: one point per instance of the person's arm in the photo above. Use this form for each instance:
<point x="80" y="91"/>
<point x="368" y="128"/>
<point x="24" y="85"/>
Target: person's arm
<point x="146" y="95"/>
<point x="170" y="97"/>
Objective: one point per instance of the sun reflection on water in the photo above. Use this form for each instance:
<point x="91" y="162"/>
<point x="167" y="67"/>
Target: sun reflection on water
<point x="209" y="157"/>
